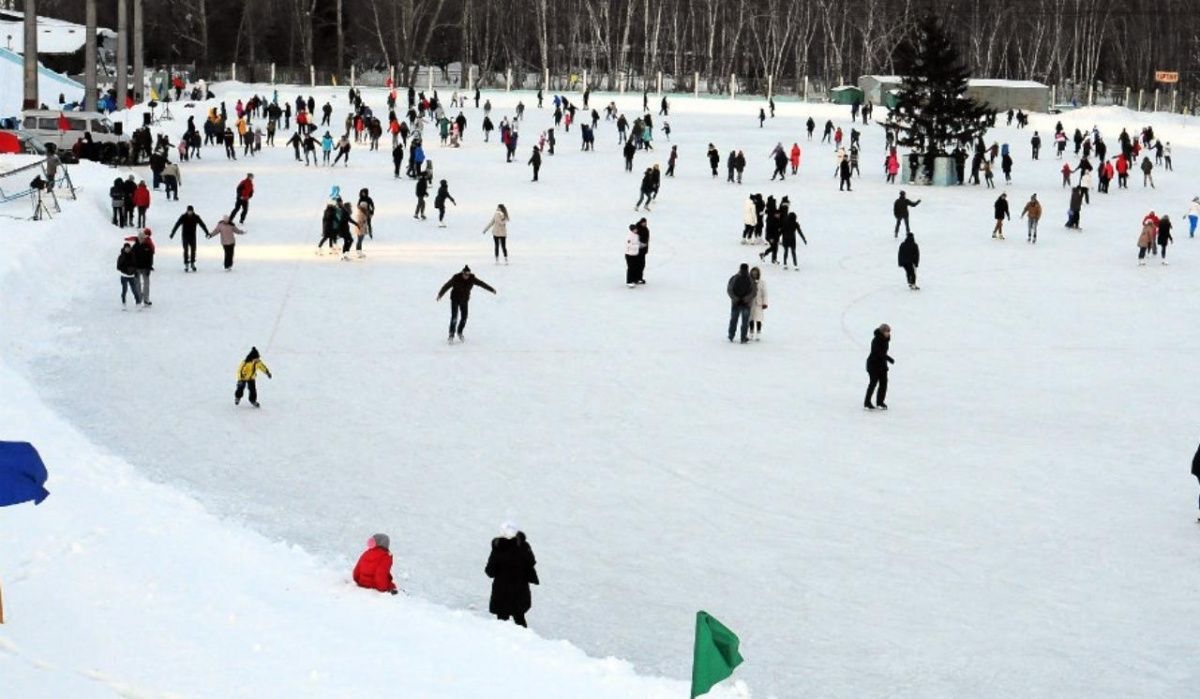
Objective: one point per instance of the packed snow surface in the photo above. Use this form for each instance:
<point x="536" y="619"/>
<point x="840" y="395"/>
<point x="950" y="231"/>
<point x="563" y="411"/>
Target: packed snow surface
<point x="1020" y="523"/>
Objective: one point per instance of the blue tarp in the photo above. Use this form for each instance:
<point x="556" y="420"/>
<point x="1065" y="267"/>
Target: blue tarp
<point x="22" y="474"/>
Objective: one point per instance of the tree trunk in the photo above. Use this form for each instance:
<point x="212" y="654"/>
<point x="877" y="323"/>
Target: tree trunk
<point x="89" y="59"/>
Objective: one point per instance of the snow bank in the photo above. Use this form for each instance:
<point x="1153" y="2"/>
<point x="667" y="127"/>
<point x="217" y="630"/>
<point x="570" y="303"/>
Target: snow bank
<point x="116" y="586"/>
<point x="50" y="85"/>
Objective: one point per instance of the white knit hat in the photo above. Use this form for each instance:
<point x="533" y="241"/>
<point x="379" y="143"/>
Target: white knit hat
<point x="509" y="530"/>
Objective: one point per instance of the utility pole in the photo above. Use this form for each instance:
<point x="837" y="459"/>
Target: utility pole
<point x="31" y="54"/>
<point x="89" y="70"/>
<point x="122" y="53"/>
<point x="139" y="67"/>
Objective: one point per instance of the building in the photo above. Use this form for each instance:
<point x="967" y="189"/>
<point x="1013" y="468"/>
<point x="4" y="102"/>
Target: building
<point x="1000" y="95"/>
<point x="60" y="43"/>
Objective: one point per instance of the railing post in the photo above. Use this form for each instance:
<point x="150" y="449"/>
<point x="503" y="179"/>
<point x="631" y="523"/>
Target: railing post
<point x="233" y="72"/>
<point x="430" y="80"/>
<point x="508" y="80"/>
<point x="351" y="75"/>
<point x="584" y="86"/>
<point x="1156" y="99"/>
<point x="696" y="82"/>
<point x="1141" y="93"/>
<point x="806" y="88"/>
<point x="1091" y="94"/>
<point x="272" y="73"/>
<point x="312" y="75"/>
<point x="732" y="85"/>
<point x="770" y="86"/>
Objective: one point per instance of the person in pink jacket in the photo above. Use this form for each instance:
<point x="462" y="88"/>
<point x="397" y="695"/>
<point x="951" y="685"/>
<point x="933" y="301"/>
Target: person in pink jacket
<point x="226" y="230"/>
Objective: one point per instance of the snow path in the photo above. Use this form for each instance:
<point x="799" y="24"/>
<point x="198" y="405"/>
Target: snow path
<point x="1020" y="523"/>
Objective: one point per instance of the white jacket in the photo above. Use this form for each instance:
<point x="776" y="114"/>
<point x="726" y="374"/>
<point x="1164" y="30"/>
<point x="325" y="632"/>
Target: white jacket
<point x="749" y="213"/>
<point x="633" y="244"/>
<point x="1194" y="209"/>
<point x="760" y="300"/>
<point x="498" y="225"/>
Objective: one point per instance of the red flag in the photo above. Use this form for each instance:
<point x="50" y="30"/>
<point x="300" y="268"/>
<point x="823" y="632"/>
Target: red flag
<point x="63" y="124"/>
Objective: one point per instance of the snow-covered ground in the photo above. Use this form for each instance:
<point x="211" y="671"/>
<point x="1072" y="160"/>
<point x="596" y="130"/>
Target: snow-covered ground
<point x="1020" y="523"/>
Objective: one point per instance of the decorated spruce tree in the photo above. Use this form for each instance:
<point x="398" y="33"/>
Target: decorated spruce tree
<point x="933" y="112"/>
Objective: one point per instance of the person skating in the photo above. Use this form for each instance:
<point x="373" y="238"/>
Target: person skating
<point x="171" y="180"/>
<point x="345" y="220"/>
<point x="246" y="375"/>
<point x="512" y="567"/>
<point x="439" y="202"/>
<point x="141" y="202"/>
<point x="1164" y="236"/>
<point x="1075" y="208"/>
<point x="789" y="229"/>
<point x="646" y="190"/>
<point x="1196" y="469"/>
<point x="908" y="256"/>
<point x="900" y="210"/>
<point x="671" y="161"/>
<point x="1000" y="213"/>
<point x="714" y="162"/>
<point x="226" y="231"/>
<point x="1146" y="239"/>
<point x="1032" y="212"/>
<point x="125" y="265"/>
<point x="374" y="568"/>
<point x="188" y="222"/>
<point x="363" y="212"/>
<point x="741" y="290"/>
<point x="143" y="262"/>
<point x="460" y="286"/>
<point x="535" y="161"/>
<point x="1147" y="169"/>
<point x="422" y="193"/>
<point x="844" y="172"/>
<point x="877" y="368"/>
<point x="499" y="228"/>
<point x="633" y="248"/>
<point x="779" y="157"/>
<point x="749" y="219"/>
<point x="758" y="304"/>
<point x="244" y="191"/>
<point x="794" y="157"/>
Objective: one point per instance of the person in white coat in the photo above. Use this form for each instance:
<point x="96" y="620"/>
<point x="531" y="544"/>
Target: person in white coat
<point x="499" y="228"/>
<point x="749" y="220"/>
<point x="758" y="305"/>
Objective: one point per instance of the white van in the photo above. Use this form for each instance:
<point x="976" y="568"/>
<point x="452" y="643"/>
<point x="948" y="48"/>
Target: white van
<point x="43" y="124"/>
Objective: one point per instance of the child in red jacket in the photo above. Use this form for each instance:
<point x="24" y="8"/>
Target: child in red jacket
<point x="1066" y="173"/>
<point x="374" y="568"/>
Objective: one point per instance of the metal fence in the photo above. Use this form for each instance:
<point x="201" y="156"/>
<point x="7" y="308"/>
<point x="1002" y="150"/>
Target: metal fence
<point x="455" y="76"/>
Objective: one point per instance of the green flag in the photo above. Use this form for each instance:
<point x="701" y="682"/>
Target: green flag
<point x="715" y="656"/>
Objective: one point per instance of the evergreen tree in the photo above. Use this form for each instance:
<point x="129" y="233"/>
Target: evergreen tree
<point x="932" y="110"/>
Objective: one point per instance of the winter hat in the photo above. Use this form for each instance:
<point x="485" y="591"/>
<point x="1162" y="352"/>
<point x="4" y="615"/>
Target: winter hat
<point x="466" y="269"/>
<point x="509" y="530"/>
<point x="379" y="540"/>
<point x="335" y="192"/>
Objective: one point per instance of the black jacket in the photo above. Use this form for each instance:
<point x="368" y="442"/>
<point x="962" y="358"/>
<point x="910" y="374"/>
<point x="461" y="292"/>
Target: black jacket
<point x="878" y="360"/>
<point x="125" y="267"/>
<point x="909" y="253"/>
<point x="741" y="288"/>
<point x="143" y="255"/>
<point x="900" y="207"/>
<point x="460" y="287"/>
<point x="189" y="222"/>
<point x="443" y="194"/>
<point x="1196" y="464"/>
<point x="1001" y="209"/>
<point x="511" y="566"/>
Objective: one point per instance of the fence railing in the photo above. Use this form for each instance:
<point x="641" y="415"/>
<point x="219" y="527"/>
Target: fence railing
<point x="456" y="76"/>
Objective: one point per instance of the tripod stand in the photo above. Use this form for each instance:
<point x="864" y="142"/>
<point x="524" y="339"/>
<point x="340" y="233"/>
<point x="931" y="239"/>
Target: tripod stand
<point x="40" y="210"/>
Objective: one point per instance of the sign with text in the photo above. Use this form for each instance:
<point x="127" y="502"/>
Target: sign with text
<point x="1166" y="76"/>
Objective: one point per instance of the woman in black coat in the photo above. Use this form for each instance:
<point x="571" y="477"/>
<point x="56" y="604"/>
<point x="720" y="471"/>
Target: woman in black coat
<point x="877" y="367"/>
<point x="511" y="568"/>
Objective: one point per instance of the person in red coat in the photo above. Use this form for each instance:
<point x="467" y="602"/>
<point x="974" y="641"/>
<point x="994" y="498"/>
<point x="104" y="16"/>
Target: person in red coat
<point x="245" y="190"/>
<point x="141" y="200"/>
<point x="374" y="568"/>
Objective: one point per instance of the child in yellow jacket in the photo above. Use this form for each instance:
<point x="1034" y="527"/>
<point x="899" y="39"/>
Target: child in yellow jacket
<point x="246" y="373"/>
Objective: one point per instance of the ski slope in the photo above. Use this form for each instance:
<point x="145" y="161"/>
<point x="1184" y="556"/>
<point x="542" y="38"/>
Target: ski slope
<point x="1020" y="523"/>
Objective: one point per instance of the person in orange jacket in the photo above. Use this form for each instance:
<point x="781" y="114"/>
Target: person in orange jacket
<point x="795" y="157"/>
<point x="374" y="568"/>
